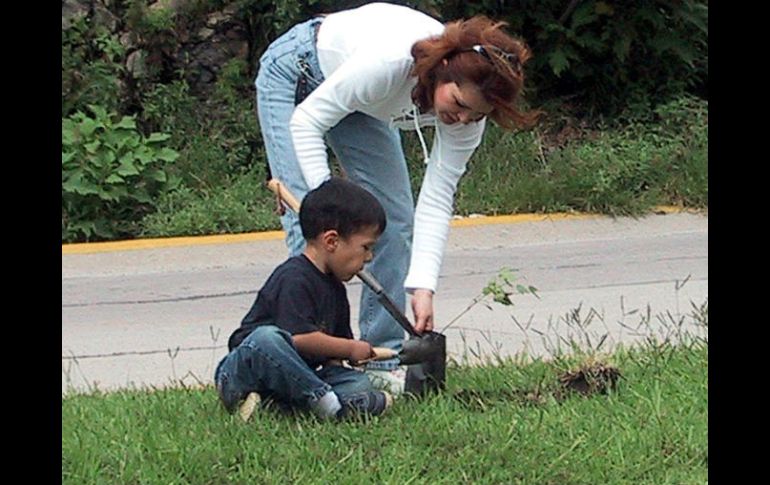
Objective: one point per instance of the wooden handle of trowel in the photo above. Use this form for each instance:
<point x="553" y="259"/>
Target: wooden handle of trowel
<point x="380" y="353"/>
<point x="284" y="194"/>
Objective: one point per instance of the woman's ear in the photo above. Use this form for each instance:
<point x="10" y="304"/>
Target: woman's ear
<point x="330" y="239"/>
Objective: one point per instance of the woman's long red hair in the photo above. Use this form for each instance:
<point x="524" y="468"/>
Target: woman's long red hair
<point x="499" y="75"/>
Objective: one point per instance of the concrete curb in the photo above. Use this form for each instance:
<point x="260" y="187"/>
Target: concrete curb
<point x="153" y="243"/>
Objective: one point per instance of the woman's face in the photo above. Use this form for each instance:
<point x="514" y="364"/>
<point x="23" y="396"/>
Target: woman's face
<point x="454" y="104"/>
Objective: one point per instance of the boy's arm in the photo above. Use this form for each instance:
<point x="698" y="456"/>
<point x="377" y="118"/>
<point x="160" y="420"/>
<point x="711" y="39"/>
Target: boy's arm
<point x="322" y="345"/>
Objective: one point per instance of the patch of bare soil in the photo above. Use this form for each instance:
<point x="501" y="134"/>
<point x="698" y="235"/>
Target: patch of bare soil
<point x="587" y="380"/>
<point x="596" y="378"/>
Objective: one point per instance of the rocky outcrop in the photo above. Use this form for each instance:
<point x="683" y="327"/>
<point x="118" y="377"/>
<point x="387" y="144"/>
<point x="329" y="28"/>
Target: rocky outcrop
<point x="221" y="39"/>
<point x="199" y="47"/>
<point x="97" y="11"/>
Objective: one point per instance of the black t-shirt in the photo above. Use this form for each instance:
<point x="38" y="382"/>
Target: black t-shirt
<point x="299" y="298"/>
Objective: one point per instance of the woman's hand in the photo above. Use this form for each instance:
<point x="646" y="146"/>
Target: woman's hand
<point x="422" y="307"/>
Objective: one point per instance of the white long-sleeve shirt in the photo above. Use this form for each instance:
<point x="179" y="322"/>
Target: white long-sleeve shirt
<point x="365" y="57"/>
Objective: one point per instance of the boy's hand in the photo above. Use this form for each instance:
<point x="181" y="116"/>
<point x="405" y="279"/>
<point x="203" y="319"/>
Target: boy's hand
<point x="378" y="353"/>
<point x="360" y="350"/>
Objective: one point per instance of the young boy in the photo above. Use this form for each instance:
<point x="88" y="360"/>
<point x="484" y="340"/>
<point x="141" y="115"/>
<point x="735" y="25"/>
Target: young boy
<point x="290" y="344"/>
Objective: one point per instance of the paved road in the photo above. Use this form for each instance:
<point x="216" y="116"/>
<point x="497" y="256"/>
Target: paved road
<point x="157" y="316"/>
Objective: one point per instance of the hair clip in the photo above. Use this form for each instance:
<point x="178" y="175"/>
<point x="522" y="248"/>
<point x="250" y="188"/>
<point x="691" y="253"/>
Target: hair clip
<point x="481" y="49"/>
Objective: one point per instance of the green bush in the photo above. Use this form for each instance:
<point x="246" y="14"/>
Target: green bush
<point x="213" y="147"/>
<point x="171" y="108"/>
<point x="92" y="66"/>
<point x="111" y="175"/>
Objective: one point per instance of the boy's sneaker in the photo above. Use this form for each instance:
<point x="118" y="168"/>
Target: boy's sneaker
<point x="372" y="403"/>
<point x="247" y="406"/>
<point x="392" y="381"/>
<point x="229" y="400"/>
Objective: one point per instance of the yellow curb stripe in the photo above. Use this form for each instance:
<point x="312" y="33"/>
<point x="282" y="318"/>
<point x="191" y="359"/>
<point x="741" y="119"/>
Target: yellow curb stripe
<point x="517" y="218"/>
<point x="553" y="216"/>
<point x="135" y="244"/>
<point x="103" y="247"/>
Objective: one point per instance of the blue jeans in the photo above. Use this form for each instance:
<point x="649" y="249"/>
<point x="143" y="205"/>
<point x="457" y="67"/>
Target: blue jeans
<point x="371" y="154"/>
<point x="267" y="362"/>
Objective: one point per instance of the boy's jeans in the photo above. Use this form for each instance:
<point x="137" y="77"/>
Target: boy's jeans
<point x="267" y="362"/>
<point x="371" y="155"/>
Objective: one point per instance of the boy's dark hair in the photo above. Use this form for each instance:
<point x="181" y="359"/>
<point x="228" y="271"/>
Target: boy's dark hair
<point x="340" y="205"/>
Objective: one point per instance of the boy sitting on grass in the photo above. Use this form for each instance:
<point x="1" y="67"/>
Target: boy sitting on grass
<point x="290" y="345"/>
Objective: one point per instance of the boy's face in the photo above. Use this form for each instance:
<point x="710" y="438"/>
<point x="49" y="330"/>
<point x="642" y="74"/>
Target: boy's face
<point x="352" y="253"/>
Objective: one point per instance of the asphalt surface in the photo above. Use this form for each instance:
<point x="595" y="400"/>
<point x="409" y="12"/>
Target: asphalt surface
<point x="160" y="315"/>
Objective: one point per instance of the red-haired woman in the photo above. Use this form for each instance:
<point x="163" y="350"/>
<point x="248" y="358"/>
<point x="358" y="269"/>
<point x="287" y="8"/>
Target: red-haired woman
<point x="352" y="79"/>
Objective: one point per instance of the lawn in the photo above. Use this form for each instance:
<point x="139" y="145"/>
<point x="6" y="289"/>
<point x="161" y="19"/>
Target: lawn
<point x="511" y="421"/>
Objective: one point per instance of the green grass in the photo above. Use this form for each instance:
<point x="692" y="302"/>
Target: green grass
<point x="243" y="205"/>
<point x="651" y="429"/>
<point x="624" y="168"/>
